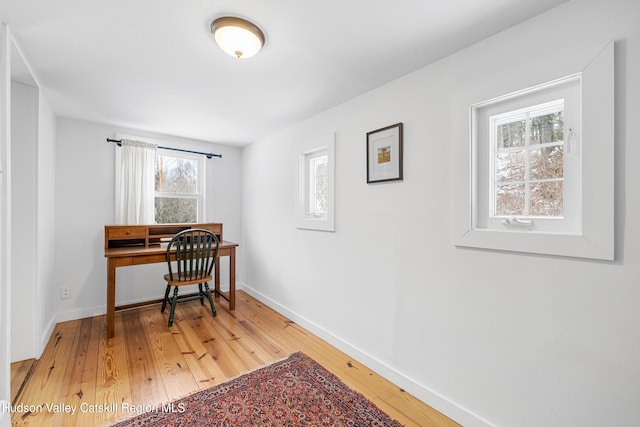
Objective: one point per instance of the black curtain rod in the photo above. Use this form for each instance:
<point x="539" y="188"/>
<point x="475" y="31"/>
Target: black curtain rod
<point x="209" y="155"/>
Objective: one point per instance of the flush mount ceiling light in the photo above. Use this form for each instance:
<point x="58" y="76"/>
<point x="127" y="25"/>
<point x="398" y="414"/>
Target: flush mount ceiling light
<point x="237" y="37"/>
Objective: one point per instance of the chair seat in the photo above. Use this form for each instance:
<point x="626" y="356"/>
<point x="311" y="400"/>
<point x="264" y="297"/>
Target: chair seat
<point x="186" y="278"/>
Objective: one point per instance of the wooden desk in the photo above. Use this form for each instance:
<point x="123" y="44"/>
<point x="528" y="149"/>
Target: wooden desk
<point x="148" y="252"/>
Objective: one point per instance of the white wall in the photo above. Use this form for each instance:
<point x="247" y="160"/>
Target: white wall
<point x="5" y="211"/>
<point x="45" y="223"/>
<point x="84" y="203"/>
<point x="32" y="207"/>
<point x="488" y="337"/>
<point x="24" y="119"/>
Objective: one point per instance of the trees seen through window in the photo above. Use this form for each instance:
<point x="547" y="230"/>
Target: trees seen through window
<point x="177" y="192"/>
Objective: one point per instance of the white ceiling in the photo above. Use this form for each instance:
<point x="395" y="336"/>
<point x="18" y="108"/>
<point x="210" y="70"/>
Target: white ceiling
<point x="153" y="64"/>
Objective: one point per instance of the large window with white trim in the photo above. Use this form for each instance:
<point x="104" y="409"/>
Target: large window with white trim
<point x="178" y="188"/>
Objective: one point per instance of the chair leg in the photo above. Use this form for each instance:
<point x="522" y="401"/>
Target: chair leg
<point x="201" y="294"/>
<point x="166" y="298"/>
<point x="174" y="302"/>
<point x="213" y="308"/>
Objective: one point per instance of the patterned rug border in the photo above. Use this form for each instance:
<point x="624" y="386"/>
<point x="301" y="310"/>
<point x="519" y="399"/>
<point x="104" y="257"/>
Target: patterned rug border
<point x="361" y="405"/>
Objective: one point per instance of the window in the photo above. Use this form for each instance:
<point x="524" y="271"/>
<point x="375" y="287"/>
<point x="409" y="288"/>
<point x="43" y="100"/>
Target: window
<point x="528" y="174"/>
<point x="178" y="193"/>
<point x="178" y="185"/>
<point x="316" y="176"/>
<point x="527" y="171"/>
<point x="535" y="172"/>
<point x="314" y="206"/>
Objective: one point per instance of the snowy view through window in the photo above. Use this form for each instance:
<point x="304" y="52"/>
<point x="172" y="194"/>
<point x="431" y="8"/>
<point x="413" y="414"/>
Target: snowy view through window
<point x="176" y="186"/>
<point x="318" y="170"/>
<point x="529" y="149"/>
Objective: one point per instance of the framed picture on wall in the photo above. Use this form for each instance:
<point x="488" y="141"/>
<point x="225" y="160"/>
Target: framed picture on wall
<point x="384" y="154"/>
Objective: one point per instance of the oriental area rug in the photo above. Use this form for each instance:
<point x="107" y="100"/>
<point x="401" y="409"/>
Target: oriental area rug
<point x="296" y="391"/>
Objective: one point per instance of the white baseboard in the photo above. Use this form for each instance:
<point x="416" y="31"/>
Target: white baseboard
<point x="420" y="391"/>
<point x="80" y="314"/>
<point x="99" y="311"/>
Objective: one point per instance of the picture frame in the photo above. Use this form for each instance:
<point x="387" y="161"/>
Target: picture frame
<point x="384" y="154"/>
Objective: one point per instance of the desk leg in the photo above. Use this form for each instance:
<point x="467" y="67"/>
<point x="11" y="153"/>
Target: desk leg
<point x="216" y="277"/>
<point x="111" y="297"/>
<point x="232" y="279"/>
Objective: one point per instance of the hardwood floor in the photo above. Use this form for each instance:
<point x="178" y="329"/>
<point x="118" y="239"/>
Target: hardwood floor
<point x="20" y="372"/>
<point x="147" y="363"/>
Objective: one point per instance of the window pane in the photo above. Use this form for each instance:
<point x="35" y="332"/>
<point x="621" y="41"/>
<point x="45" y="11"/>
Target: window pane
<point x="510" y="199"/>
<point x="510" y="166"/>
<point x="547" y="127"/>
<point x="318" y="180"/>
<point x="174" y="210"/>
<point x="546" y="199"/>
<point x="176" y="175"/>
<point x="511" y="134"/>
<point x="547" y="163"/>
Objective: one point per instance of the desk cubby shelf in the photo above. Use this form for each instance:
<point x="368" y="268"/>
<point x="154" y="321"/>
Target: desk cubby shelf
<point x="117" y="236"/>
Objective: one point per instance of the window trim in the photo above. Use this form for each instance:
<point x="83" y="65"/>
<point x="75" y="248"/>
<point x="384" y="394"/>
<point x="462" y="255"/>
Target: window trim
<point x="303" y="219"/>
<point x="596" y="237"/>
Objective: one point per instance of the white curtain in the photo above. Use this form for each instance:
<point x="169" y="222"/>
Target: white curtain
<point x="137" y="181"/>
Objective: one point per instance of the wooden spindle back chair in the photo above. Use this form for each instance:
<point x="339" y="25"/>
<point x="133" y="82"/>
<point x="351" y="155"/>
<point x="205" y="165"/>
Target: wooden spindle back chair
<point x="196" y="252"/>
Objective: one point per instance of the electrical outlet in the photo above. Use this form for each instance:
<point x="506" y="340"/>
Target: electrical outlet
<point x="65" y="293"/>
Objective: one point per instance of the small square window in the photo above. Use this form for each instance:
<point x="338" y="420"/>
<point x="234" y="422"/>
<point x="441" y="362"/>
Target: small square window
<point x="527" y="180"/>
<point x="535" y="171"/>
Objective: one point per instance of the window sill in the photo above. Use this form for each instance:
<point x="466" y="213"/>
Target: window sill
<point x="560" y="244"/>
